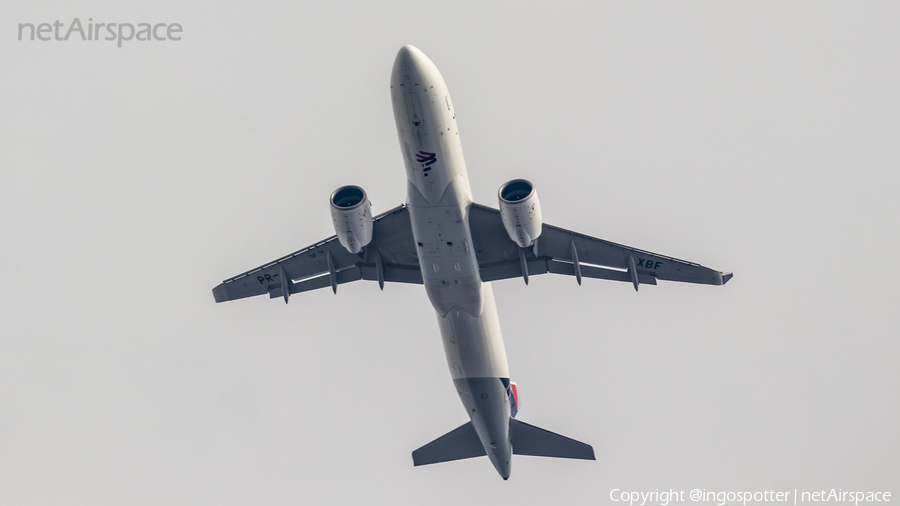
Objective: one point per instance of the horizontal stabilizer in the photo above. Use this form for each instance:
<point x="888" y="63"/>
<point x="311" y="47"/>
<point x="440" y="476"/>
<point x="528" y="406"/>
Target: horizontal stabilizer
<point x="460" y="443"/>
<point x="530" y="440"/>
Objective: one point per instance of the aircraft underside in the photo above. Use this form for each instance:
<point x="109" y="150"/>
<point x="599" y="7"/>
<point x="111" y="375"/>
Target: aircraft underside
<point x="455" y="248"/>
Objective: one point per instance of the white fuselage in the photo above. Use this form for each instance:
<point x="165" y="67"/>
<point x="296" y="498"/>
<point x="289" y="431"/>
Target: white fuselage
<point x="439" y="198"/>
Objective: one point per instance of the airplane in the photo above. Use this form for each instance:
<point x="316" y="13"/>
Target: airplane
<point x="454" y="247"/>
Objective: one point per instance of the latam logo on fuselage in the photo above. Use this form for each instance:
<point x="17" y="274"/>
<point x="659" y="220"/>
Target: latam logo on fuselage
<point x="426" y="159"/>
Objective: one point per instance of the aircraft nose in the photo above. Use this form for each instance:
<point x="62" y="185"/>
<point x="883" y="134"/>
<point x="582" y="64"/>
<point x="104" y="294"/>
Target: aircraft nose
<point x="411" y="67"/>
<point x="406" y="57"/>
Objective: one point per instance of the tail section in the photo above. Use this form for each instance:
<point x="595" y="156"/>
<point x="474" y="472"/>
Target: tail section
<point x="530" y="440"/>
<point x="460" y="443"/>
<point x="463" y="443"/>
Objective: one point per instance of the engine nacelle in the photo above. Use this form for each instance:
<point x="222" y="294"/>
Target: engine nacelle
<point x="351" y="214"/>
<point x="520" y="210"/>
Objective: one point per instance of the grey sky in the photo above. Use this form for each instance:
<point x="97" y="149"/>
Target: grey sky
<point x="759" y="138"/>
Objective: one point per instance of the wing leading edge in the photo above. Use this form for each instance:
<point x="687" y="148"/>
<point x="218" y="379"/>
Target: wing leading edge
<point x="560" y="251"/>
<point x="390" y="257"/>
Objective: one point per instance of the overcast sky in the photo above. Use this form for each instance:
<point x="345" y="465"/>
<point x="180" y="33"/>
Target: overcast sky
<point x="759" y="138"/>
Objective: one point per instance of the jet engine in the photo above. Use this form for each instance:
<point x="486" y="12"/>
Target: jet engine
<point x="351" y="213"/>
<point x="520" y="210"/>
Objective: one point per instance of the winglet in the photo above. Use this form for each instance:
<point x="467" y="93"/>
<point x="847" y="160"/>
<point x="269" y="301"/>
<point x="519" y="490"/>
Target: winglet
<point x="726" y="277"/>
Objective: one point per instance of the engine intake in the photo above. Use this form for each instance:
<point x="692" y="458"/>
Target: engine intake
<point x="351" y="213"/>
<point x="520" y="210"/>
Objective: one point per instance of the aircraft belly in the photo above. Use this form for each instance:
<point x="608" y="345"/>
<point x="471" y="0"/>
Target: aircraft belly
<point x="474" y="344"/>
<point x="444" y="247"/>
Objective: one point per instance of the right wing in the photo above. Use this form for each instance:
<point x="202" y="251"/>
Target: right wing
<point x="561" y="251"/>
<point x="390" y="257"/>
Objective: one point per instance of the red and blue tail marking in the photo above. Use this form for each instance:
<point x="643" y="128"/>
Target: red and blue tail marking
<point x="513" y="395"/>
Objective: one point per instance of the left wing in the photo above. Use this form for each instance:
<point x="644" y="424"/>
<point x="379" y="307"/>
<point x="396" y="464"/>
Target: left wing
<point x="390" y="257"/>
<point x="561" y="251"/>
